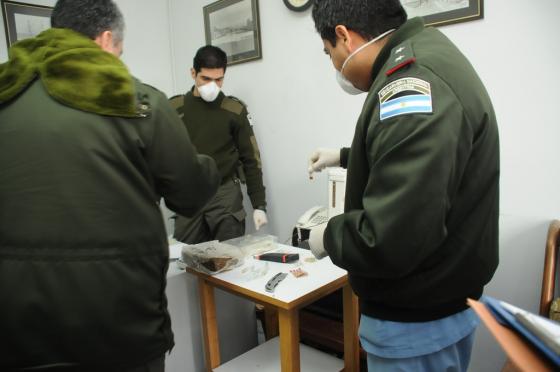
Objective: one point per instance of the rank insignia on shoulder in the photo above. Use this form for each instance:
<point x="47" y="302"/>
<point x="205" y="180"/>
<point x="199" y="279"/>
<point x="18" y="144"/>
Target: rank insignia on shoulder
<point x="401" y="55"/>
<point x="405" y="96"/>
<point x="143" y="109"/>
<point x="232" y="104"/>
<point x="177" y="102"/>
<point x="237" y="99"/>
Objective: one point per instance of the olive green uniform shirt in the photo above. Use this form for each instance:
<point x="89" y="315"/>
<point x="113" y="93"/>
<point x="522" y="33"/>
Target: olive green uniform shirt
<point x="222" y="130"/>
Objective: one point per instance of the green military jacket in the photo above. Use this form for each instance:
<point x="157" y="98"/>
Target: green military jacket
<point x="86" y="153"/>
<point x="420" y="230"/>
<point x="222" y="130"/>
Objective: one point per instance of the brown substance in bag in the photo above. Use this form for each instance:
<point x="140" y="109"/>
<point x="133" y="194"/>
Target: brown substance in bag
<point x="215" y="263"/>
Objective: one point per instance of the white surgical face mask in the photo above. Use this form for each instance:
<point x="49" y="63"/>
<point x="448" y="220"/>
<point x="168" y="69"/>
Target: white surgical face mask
<point x="209" y="92"/>
<point x="346" y="84"/>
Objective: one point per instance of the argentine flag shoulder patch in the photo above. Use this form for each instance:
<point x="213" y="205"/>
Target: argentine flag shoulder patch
<point x="405" y="96"/>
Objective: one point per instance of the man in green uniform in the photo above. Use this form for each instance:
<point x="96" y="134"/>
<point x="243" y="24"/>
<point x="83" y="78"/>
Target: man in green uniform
<point x="220" y="126"/>
<point x="86" y="153"/>
<point x="419" y="234"/>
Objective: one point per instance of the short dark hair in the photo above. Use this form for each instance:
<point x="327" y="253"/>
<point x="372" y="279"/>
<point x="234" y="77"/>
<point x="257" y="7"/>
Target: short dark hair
<point x="209" y="56"/>
<point x="89" y="17"/>
<point x="369" y="18"/>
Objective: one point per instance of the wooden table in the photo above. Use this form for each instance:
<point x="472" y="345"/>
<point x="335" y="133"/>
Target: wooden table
<point x="290" y="295"/>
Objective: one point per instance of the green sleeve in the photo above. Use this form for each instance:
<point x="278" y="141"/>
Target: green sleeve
<point x="185" y="179"/>
<point x="413" y="164"/>
<point x="250" y="157"/>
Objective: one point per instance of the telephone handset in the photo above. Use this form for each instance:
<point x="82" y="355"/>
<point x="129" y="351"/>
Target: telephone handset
<point x="313" y="217"/>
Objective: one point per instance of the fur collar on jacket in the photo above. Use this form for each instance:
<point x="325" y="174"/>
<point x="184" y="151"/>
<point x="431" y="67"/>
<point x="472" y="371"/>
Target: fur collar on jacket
<point x="74" y="70"/>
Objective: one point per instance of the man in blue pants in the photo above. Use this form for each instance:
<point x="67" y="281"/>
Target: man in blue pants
<point x="419" y="234"/>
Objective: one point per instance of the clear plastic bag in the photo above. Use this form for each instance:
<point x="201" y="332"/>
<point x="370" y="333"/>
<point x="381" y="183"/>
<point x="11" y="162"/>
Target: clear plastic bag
<point x="211" y="257"/>
<point x="251" y="245"/>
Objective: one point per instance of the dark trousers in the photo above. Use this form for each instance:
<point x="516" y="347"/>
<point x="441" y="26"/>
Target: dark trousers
<point x="221" y="219"/>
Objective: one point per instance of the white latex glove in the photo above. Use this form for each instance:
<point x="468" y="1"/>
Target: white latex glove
<point x="259" y="217"/>
<point x="316" y="241"/>
<point x="322" y="158"/>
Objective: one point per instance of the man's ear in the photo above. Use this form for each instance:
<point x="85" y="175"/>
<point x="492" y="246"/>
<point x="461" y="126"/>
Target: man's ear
<point x="343" y="36"/>
<point x="105" y="41"/>
<point x="349" y="38"/>
<point x="193" y="73"/>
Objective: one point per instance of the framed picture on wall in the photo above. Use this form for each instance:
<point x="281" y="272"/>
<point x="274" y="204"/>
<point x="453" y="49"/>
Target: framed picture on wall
<point x="444" y="12"/>
<point x="233" y="26"/>
<point x="22" y="21"/>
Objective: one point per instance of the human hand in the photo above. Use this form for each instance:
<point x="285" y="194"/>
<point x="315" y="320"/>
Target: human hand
<point x="259" y="217"/>
<point x="316" y="241"/>
<point x="322" y="158"/>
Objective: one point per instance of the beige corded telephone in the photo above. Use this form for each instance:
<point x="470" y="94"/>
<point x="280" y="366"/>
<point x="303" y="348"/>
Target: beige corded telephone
<point x="313" y="217"/>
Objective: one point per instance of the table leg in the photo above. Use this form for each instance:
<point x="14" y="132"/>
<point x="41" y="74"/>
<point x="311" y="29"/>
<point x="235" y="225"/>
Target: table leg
<point x="271" y="321"/>
<point x="289" y="340"/>
<point x="351" y="323"/>
<point x="209" y="325"/>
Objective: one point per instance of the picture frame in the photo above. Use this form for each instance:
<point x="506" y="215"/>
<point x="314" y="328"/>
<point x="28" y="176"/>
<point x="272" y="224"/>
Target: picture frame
<point x="444" y="12"/>
<point x="234" y="27"/>
<point x="22" y="20"/>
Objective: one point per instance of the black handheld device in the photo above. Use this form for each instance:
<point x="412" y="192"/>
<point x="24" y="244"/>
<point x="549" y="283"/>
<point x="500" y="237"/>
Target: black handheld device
<point x="278" y="257"/>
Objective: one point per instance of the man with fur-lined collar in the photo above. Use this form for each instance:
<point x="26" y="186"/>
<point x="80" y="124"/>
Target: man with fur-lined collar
<point x="86" y="153"/>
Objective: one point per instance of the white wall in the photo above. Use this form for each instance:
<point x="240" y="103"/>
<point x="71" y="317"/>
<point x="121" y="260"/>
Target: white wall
<point x="297" y="106"/>
<point x="147" y="44"/>
<point x="147" y="50"/>
<point x="517" y="280"/>
<point x="515" y="51"/>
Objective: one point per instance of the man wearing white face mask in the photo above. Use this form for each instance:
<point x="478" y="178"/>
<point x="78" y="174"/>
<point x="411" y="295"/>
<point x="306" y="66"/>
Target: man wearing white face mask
<point x="419" y="233"/>
<point x="220" y="126"/>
